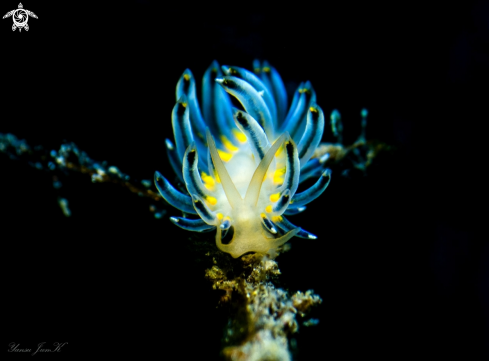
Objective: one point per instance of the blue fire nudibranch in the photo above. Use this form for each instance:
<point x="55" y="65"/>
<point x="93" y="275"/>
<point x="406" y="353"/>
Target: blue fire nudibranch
<point x="242" y="168"/>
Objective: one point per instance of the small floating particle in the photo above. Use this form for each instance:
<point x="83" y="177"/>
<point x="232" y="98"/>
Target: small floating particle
<point x="146" y="183"/>
<point x="63" y="203"/>
<point x="114" y="170"/>
<point x="311" y="322"/>
<point x="96" y="178"/>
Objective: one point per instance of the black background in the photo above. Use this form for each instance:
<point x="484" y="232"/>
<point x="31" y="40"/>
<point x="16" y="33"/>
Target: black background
<point x="399" y="261"/>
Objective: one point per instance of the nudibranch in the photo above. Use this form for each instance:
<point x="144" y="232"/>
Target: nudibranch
<point x="242" y="167"/>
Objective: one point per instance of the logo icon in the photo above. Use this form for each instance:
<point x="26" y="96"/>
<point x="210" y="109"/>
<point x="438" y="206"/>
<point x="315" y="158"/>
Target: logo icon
<point x="20" y="17"/>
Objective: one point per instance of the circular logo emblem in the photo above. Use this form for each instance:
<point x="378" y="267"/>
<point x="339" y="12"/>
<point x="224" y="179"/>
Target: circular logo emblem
<point x="20" y="17"/>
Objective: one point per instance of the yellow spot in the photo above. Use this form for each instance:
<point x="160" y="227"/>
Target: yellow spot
<point x="186" y="77"/>
<point x="278" y="176"/>
<point x="263" y="215"/>
<point x="226" y="157"/>
<point x="279" y="150"/>
<point x="268" y="209"/>
<point x="239" y="135"/>
<point x="292" y="201"/>
<point x="276" y="218"/>
<point x="275" y="197"/>
<point x="278" y="180"/>
<point x="211" y="200"/>
<point x="184" y="104"/>
<point x="219" y="216"/>
<point x="209" y="182"/>
<point x="227" y="143"/>
<point x="313" y="110"/>
<point x="266" y="69"/>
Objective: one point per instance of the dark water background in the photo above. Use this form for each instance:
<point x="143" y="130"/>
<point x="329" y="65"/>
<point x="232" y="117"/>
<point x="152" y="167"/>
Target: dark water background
<point x="401" y="259"/>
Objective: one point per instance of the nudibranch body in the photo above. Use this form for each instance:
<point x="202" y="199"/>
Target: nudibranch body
<point x="242" y="167"/>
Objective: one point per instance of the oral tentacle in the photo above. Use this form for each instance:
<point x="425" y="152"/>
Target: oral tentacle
<point x="277" y="242"/>
<point x="253" y="191"/>
<point x="232" y="194"/>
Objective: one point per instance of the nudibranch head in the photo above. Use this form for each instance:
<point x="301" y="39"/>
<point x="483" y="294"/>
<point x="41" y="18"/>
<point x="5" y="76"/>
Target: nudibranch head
<point x="242" y="167"/>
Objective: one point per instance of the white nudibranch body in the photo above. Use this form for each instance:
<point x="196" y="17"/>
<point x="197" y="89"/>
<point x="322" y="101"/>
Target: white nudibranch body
<point x="241" y="168"/>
